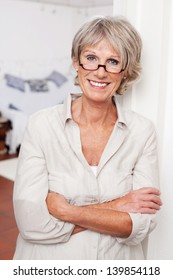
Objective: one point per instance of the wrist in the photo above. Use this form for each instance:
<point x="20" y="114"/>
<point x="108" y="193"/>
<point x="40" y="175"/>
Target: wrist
<point x="68" y="213"/>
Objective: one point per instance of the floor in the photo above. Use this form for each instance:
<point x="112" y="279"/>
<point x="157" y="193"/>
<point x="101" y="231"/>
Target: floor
<point x="8" y="228"/>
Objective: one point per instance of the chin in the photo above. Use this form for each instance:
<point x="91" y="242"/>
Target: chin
<point x="99" y="97"/>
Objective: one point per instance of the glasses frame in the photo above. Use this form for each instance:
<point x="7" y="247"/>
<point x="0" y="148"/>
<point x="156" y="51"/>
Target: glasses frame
<point x="101" y="65"/>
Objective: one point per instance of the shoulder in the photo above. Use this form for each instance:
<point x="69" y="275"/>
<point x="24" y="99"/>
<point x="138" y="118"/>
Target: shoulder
<point x="137" y="119"/>
<point x="138" y="124"/>
<point x="45" y="116"/>
<point x="45" y="113"/>
<point x="135" y="122"/>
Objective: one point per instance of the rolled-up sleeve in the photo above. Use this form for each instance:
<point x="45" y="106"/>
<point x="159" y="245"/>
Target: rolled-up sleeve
<point x="31" y="186"/>
<point x="145" y="174"/>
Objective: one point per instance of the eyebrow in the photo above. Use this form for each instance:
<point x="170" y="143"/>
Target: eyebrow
<point x="93" y="52"/>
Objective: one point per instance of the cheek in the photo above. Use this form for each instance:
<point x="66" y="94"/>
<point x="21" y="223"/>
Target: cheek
<point x="82" y="75"/>
<point x="80" y="78"/>
<point x="116" y="77"/>
<point x="116" y="81"/>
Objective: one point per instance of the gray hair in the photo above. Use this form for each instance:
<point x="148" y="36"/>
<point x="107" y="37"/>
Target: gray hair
<point x="122" y="36"/>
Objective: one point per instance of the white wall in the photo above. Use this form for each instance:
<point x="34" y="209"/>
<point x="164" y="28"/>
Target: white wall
<point x="36" y="36"/>
<point x="153" y="98"/>
<point x="164" y="233"/>
<point x="84" y="13"/>
<point x="32" y="37"/>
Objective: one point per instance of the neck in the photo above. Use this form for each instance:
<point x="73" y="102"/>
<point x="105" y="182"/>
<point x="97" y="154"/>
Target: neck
<point x="87" y="112"/>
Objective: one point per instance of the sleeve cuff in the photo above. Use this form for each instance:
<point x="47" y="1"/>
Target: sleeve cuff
<point x="142" y="225"/>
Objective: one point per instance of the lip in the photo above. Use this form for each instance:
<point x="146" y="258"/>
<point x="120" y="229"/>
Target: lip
<point x="98" y="84"/>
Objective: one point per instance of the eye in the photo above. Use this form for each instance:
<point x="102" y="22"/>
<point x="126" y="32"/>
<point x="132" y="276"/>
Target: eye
<point x="113" y="61"/>
<point x="91" y="58"/>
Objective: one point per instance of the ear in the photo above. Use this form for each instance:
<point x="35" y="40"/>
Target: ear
<point x="75" y="63"/>
<point x="125" y="74"/>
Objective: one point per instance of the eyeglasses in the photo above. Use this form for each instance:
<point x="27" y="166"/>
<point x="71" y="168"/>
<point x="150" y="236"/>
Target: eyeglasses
<point x="90" y="63"/>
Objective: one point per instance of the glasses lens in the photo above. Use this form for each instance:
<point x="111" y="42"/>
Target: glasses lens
<point x="117" y="68"/>
<point x="90" y="66"/>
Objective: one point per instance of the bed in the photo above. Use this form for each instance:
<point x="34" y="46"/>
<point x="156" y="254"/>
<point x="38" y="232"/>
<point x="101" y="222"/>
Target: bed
<point x="19" y="100"/>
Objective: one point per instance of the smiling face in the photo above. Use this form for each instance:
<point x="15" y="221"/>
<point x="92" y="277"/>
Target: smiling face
<point x="99" y="85"/>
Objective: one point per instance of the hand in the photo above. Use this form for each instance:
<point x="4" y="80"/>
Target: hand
<point x="57" y="205"/>
<point x="145" y="200"/>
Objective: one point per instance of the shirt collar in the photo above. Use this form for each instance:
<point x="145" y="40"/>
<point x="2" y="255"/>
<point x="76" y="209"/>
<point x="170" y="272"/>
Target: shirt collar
<point x="67" y="109"/>
<point x="120" y="112"/>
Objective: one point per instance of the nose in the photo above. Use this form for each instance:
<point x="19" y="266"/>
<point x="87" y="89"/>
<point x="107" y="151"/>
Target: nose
<point x="101" y="70"/>
<point x="102" y="65"/>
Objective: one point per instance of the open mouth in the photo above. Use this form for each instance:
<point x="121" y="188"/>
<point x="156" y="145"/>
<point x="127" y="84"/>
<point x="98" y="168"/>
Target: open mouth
<point x="98" y="84"/>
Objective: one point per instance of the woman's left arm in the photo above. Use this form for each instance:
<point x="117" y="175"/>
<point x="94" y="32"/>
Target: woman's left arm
<point x="146" y="174"/>
<point x="106" y="221"/>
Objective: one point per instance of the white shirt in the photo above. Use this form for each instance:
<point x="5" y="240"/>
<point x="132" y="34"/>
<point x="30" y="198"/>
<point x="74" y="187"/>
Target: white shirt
<point x="51" y="159"/>
<point x="94" y="169"/>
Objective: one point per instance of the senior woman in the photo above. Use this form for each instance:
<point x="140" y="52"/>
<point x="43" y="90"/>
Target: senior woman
<point x="86" y="184"/>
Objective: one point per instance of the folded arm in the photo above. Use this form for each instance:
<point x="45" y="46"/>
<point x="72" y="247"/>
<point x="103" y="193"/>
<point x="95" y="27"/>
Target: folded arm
<point x="34" y="222"/>
<point x="109" y="217"/>
<point x="132" y="216"/>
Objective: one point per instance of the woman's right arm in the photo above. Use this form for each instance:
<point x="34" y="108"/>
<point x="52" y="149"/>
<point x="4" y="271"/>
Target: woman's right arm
<point x="30" y="190"/>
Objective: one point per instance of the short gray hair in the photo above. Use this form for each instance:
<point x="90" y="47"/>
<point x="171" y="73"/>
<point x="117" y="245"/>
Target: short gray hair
<point x="123" y="37"/>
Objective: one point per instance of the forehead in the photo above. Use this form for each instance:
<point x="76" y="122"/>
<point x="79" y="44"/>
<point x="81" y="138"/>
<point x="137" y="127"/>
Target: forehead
<point x="103" y="48"/>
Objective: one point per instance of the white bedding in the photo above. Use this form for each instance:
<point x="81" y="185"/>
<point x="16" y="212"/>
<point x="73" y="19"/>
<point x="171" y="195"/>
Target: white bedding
<point x="28" y="102"/>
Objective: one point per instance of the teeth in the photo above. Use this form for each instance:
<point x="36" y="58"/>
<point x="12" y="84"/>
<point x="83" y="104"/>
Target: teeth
<point x="98" y="84"/>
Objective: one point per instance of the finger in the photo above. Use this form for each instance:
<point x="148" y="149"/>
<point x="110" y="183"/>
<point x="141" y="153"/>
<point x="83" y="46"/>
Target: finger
<point x="150" y="197"/>
<point x="148" y="211"/>
<point x="150" y="190"/>
<point x="150" y="205"/>
<point x="157" y="199"/>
